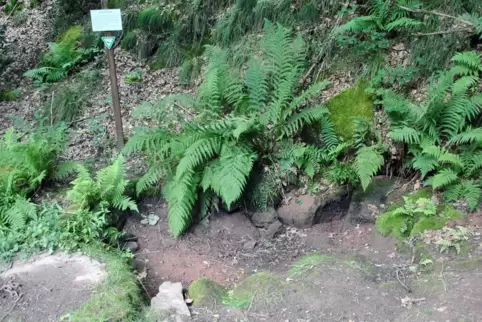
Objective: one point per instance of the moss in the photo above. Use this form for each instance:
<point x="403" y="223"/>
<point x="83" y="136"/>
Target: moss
<point x="429" y="223"/>
<point x="450" y="213"/>
<point x="72" y="35"/>
<point x="118" y="298"/>
<point x="205" y="292"/>
<point x="8" y="96"/>
<point x="307" y="263"/>
<point x="260" y="285"/>
<point x="390" y="224"/>
<point x="348" y="104"/>
<point x="426" y="193"/>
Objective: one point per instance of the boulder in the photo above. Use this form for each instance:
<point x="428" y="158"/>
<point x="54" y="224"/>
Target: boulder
<point x="205" y="292"/>
<point x="170" y="299"/>
<point x="273" y="229"/>
<point x="264" y="218"/>
<point x="365" y="206"/>
<point x="306" y="210"/>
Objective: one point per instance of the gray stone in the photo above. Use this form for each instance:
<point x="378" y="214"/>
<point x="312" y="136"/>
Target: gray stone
<point x="273" y="229"/>
<point x="306" y="210"/>
<point x="249" y="245"/>
<point x="265" y="218"/>
<point x="132" y="246"/>
<point x="170" y="299"/>
<point x="366" y="205"/>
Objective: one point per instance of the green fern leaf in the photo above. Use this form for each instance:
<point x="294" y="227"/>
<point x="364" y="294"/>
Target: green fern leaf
<point x="443" y="178"/>
<point x="405" y="134"/>
<point x="464" y="83"/>
<point x="367" y="164"/>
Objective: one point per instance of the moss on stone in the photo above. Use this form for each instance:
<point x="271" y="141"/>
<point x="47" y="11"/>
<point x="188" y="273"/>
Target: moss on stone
<point x="450" y="213"/>
<point x="428" y="223"/>
<point x="353" y="102"/>
<point x="260" y="285"/>
<point x="307" y="263"/>
<point x="426" y="193"/>
<point x="71" y="35"/>
<point x="118" y="298"/>
<point x="391" y="224"/>
<point x="205" y="292"/>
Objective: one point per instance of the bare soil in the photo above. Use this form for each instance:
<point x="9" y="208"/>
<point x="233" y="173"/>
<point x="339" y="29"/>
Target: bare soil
<point x="46" y="287"/>
<point x="368" y="281"/>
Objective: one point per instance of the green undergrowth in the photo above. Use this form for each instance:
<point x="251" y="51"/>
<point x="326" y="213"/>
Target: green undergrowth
<point x="259" y="287"/>
<point x="415" y="215"/>
<point x="9" y="96"/>
<point x="307" y="263"/>
<point x="118" y="298"/>
<point x="347" y="105"/>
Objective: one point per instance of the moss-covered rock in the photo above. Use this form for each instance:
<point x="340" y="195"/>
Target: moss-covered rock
<point x="205" y="292"/>
<point x="307" y="263"/>
<point x="118" y="298"/>
<point x="445" y="214"/>
<point x="260" y="285"/>
<point x="353" y="102"/>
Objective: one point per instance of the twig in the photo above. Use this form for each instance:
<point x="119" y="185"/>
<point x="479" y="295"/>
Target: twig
<point x="184" y="110"/>
<point x="421" y="34"/>
<point x="403" y="284"/>
<point x="13" y="10"/>
<point x="51" y="110"/>
<point x="79" y="120"/>
<point x="11" y="309"/>
<point x="442" y="278"/>
<point x="252" y="300"/>
<point x="308" y="73"/>
<point x="436" y="13"/>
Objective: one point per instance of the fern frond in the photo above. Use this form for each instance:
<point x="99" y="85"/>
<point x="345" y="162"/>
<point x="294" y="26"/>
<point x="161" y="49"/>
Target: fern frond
<point x="64" y="169"/>
<point x="19" y="213"/>
<point x="425" y="163"/>
<point x="463" y="84"/>
<point x="197" y="154"/>
<point x="256" y="81"/>
<point x="306" y="116"/>
<point x="470" y="59"/>
<point x="367" y="164"/>
<point x="469" y="136"/>
<point x="329" y="137"/>
<point x="403" y="23"/>
<point x="472" y="192"/>
<point x="405" y="135"/>
<point x="443" y="178"/>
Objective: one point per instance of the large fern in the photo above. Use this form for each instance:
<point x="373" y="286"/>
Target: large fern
<point x="244" y="121"/>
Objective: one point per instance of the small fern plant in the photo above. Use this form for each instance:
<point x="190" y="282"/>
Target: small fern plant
<point x="245" y="121"/>
<point x="443" y="134"/>
<point x="105" y="190"/>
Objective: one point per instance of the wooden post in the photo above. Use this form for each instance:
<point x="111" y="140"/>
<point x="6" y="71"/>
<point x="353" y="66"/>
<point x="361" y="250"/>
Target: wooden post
<point x="114" y="89"/>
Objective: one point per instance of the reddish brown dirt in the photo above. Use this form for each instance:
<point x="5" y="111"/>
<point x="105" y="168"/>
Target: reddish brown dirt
<point x="222" y="248"/>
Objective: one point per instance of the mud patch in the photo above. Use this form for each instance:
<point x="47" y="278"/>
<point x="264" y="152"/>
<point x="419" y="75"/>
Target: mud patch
<point x="46" y="287"/>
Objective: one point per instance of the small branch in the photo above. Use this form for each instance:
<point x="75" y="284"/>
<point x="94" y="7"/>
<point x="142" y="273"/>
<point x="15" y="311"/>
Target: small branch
<point x="183" y="109"/>
<point x="436" y="13"/>
<point x="13" y="10"/>
<point x="303" y="80"/>
<point x="403" y="284"/>
<point x="421" y="34"/>
<point x="51" y="110"/>
<point x="11" y="309"/>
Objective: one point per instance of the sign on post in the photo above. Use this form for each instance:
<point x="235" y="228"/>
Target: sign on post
<point x="108" y="41"/>
<point x="106" y="20"/>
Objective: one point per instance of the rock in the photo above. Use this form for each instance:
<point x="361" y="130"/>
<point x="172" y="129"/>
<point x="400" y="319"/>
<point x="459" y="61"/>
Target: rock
<point x="205" y="292"/>
<point x="235" y="225"/>
<point x="265" y="218"/>
<point x="365" y="206"/>
<point x="170" y="299"/>
<point x="132" y="246"/>
<point x="306" y="210"/>
<point x="273" y="229"/>
<point x="249" y="245"/>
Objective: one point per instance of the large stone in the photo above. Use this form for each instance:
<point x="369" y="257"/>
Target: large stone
<point x="306" y="210"/>
<point x="265" y="218"/>
<point x="274" y="229"/>
<point x="366" y="205"/>
<point x="205" y="292"/>
<point x="170" y="299"/>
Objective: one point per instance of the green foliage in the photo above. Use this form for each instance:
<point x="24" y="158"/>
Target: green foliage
<point x="8" y="96"/>
<point x="106" y="190"/>
<point x="62" y="58"/>
<point x="129" y="41"/>
<point x="11" y="6"/>
<point x="401" y="221"/>
<point x="245" y="122"/>
<point x="68" y="100"/>
<point x="453" y="238"/>
<point x="71" y="35"/>
<point x="441" y="132"/>
<point x="367" y="164"/>
<point x="134" y="77"/>
<point x="153" y="21"/>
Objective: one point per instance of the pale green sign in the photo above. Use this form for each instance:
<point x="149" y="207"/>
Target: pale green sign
<point x="108" y="41"/>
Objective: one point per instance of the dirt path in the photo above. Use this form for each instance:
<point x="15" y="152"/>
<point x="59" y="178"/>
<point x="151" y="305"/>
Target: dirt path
<point x="360" y="277"/>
